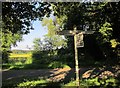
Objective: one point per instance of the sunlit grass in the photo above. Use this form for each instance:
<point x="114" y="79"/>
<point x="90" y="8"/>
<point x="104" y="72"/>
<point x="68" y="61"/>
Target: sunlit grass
<point x="71" y="83"/>
<point x="32" y="83"/>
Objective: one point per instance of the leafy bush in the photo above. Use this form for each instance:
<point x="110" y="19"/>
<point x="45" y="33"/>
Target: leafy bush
<point x="55" y="64"/>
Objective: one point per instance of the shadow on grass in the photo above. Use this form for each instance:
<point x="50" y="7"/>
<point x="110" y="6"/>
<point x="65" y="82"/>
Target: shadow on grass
<point x="50" y="85"/>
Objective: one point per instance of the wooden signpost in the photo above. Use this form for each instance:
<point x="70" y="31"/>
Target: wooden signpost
<point x="78" y="42"/>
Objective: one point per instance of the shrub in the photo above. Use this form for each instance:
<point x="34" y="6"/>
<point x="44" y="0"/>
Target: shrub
<point x="58" y="64"/>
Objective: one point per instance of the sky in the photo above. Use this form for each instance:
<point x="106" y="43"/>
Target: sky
<point x="38" y="32"/>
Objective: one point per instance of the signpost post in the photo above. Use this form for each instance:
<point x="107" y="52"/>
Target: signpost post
<point x="78" y="42"/>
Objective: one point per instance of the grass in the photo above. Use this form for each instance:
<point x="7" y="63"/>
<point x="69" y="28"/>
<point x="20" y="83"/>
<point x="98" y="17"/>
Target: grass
<point x="29" y="82"/>
<point x="28" y="63"/>
<point x="32" y="83"/>
<point x="71" y="83"/>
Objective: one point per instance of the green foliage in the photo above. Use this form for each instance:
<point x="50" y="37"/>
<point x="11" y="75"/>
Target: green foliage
<point x="48" y="22"/>
<point x="49" y="43"/>
<point x="54" y="42"/>
<point x="114" y="43"/>
<point x="17" y="16"/>
<point x="102" y="17"/>
<point x="8" y="38"/>
<point x="106" y="32"/>
<point x="106" y="41"/>
<point x="79" y="14"/>
<point x="51" y="38"/>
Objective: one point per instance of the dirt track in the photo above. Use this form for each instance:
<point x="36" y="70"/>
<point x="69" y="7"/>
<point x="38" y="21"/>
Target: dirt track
<point x="60" y="73"/>
<point x="47" y="73"/>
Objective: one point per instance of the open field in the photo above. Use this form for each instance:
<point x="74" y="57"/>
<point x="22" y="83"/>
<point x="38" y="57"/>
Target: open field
<point x="20" y="55"/>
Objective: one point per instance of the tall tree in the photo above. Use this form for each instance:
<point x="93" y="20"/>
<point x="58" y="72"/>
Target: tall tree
<point x="17" y="16"/>
<point x="93" y="16"/>
<point x="38" y="44"/>
<point x="52" y="38"/>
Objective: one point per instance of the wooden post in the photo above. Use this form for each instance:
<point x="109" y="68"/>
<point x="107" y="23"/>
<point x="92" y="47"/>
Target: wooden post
<point x="74" y="33"/>
<point x="76" y="61"/>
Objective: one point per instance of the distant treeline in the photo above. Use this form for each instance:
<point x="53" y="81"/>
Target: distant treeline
<point x="21" y="51"/>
